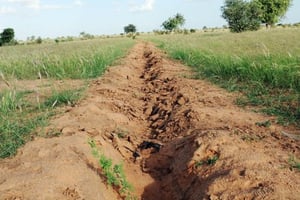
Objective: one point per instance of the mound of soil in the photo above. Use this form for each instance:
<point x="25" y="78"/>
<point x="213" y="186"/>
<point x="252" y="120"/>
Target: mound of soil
<point x="178" y="138"/>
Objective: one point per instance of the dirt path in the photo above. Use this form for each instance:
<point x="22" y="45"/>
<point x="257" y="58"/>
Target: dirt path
<point x="199" y="145"/>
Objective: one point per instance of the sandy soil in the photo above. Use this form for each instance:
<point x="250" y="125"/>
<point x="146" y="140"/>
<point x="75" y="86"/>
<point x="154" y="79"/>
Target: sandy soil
<point x="205" y="146"/>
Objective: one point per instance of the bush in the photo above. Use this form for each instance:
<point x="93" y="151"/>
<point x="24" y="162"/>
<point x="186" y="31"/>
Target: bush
<point x="39" y="40"/>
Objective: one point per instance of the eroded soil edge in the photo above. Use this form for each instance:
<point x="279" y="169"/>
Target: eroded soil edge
<point x="178" y="138"/>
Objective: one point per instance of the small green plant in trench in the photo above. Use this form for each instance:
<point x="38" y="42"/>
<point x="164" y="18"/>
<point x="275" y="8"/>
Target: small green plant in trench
<point x="208" y="161"/>
<point x="114" y="173"/>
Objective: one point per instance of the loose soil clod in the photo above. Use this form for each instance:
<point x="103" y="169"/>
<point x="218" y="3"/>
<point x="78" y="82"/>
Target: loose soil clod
<point x="178" y="138"/>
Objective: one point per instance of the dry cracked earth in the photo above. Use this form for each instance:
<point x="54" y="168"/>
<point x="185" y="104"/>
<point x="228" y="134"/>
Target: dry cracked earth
<point x="178" y="138"/>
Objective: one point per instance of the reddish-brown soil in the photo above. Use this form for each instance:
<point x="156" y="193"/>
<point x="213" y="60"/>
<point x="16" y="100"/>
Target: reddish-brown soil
<point x="205" y="147"/>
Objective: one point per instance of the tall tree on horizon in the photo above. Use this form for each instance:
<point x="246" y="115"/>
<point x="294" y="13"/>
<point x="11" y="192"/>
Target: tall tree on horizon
<point x="174" y="22"/>
<point x="273" y="10"/>
<point x="130" y="28"/>
<point x="7" y="35"/>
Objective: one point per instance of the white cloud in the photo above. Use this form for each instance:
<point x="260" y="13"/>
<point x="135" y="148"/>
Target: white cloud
<point x="146" y="6"/>
<point x="6" y="10"/>
<point x="78" y="2"/>
<point x="28" y="3"/>
<point x="34" y="4"/>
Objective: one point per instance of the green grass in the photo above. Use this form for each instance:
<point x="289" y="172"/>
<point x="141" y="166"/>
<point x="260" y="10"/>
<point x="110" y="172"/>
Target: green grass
<point x="19" y="117"/>
<point x="68" y="60"/>
<point x="264" y="66"/>
<point x="114" y="173"/>
<point x="16" y="131"/>
<point x="66" y="97"/>
<point x="10" y="101"/>
<point x="209" y="161"/>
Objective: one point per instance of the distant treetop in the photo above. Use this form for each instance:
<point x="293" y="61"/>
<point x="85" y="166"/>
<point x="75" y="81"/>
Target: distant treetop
<point x="130" y="28"/>
<point x="7" y="36"/>
<point x="174" y="23"/>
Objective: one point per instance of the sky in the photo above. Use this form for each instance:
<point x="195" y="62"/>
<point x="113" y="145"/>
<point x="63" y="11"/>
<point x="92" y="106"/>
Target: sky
<point x="56" y="18"/>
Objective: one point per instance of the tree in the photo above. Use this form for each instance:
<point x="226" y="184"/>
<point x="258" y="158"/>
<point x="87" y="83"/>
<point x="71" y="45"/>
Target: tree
<point x="39" y="40"/>
<point x="273" y="10"/>
<point x="242" y="15"/>
<point x="174" y="22"/>
<point x="130" y="29"/>
<point x="7" y="35"/>
<point x="82" y="34"/>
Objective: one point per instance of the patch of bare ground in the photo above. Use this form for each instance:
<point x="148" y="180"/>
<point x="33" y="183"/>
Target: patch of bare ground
<point x="178" y="138"/>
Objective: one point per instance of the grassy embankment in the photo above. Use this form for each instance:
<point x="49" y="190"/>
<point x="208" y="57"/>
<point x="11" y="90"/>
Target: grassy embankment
<point x="22" y="110"/>
<point x="264" y="66"/>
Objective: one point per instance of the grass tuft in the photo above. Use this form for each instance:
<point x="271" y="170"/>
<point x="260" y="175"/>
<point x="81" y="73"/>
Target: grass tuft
<point x="15" y="131"/>
<point x="66" y="97"/>
<point x="10" y="101"/>
<point x="19" y="117"/>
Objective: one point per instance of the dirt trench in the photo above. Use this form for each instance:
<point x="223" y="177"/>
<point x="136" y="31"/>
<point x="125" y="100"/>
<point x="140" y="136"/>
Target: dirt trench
<point x="178" y="138"/>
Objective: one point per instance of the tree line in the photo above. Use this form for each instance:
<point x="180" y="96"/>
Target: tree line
<point x="170" y="25"/>
<point x="241" y="15"/>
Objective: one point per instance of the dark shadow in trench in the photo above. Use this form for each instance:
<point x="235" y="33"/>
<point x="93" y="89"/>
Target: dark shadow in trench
<point x="174" y="178"/>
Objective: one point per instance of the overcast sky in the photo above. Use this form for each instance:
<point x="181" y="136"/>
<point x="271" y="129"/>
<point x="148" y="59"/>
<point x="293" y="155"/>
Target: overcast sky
<point x="53" y="18"/>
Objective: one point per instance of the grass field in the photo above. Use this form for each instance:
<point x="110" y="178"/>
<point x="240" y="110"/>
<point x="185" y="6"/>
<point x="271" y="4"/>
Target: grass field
<point x="263" y="65"/>
<point x="24" y="110"/>
<point x="73" y="60"/>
